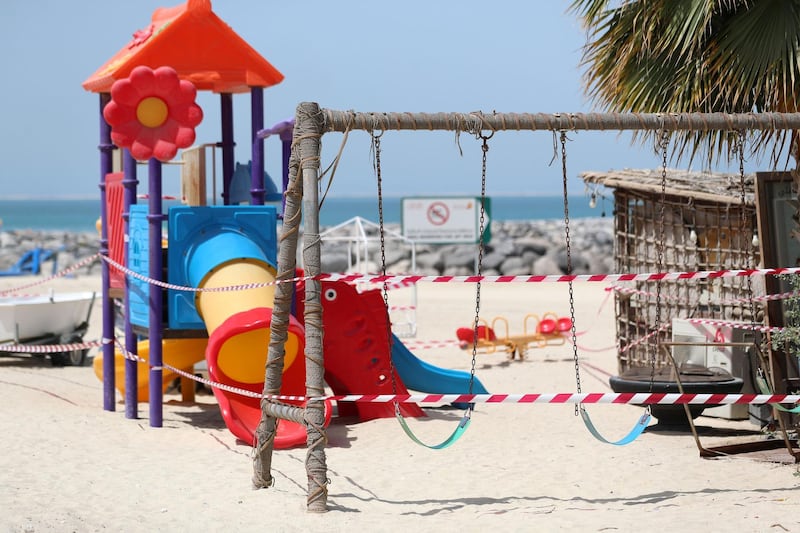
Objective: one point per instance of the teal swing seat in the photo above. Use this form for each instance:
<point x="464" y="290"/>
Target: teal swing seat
<point x="463" y="424"/>
<point x="632" y="435"/>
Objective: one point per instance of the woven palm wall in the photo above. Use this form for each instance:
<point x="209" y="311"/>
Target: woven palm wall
<point x="708" y="225"/>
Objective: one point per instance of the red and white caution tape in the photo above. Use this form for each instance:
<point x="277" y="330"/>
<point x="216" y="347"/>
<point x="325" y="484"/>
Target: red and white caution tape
<point x="425" y="345"/>
<point x="645" y="338"/>
<point x="402" y="284"/>
<point x="165" y="285"/>
<point x="544" y="398"/>
<point x="222" y="386"/>
<point x="403" y="280"/>
<point x="83" y="262"/>
<point x="734" y="301"/>
<point x="737" y="325"/>
<point x="573" y="398"/>
<point x="47" y="348"/>
<point x="410" y="279"/>
<point x="558" y="278"/>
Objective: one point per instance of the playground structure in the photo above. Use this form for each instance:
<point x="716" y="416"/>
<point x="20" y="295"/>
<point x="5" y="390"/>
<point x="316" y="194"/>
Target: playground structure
<point x="208" y="245"/>
<point x="547" y="330"/>
<point x="198" y="282"/>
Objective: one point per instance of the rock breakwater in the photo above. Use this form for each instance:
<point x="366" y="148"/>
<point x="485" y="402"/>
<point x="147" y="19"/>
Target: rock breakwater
<point x="515" y="249"/>
<point x="61" y="249"/>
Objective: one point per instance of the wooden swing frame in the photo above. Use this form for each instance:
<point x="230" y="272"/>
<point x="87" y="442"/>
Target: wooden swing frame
<point x="311" y="123"/>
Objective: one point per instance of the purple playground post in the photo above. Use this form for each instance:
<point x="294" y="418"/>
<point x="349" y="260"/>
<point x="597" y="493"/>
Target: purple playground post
<point x="106" y="166"/>
<point x="286" y="143"/>
<point x="129" y="184"/>
<point x="155" y="218"/>
<point x="226" y="117"/>
<point x="257" y="166"/>
<point x="285" y="130"/>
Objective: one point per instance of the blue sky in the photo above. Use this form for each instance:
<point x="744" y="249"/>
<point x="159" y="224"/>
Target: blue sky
<point x="363" y="55"/>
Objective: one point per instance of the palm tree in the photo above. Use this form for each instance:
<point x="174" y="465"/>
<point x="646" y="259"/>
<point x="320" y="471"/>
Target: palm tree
<point x="694" y="56"/>
<point x="733" y="56"/>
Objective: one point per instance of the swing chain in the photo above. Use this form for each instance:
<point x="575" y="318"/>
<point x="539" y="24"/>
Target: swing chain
<point x="659" y="257"/>
<point x="579" y="409"/>
<point x="376" y="140"/>
<point x="568" y="249"/>
<point x="481" y="231"/>
<point x="376" y="147"/>
<point x="760" y="339"/>
<point x="744" y="223"/>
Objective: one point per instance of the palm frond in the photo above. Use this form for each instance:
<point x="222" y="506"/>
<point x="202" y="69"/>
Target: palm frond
<point x="694" y="56"/>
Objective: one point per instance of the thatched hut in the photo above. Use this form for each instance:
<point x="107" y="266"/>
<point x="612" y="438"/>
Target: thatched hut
<point x="709" y="223"/>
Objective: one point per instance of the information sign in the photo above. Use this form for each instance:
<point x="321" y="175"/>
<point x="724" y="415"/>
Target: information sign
<point x="444" y="220"/>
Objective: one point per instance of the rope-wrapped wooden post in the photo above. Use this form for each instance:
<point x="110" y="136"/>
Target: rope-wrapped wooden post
<point x="287" y="254"/>
<point x="308" y="131"/>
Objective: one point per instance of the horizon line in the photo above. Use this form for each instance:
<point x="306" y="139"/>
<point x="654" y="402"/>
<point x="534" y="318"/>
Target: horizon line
<point x="65" y="197"/>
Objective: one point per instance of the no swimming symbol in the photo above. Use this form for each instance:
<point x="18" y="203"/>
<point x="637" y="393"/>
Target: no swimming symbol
<point x="438" y="213"/>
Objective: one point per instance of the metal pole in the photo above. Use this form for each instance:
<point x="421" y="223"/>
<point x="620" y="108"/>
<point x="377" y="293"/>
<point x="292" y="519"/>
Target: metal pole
<point x="228" y="160"/>
<point x="106" y="166"/>
<point x="155" y="218"/>
<point x="257" y="166"/>
<point x="129" y="184"/>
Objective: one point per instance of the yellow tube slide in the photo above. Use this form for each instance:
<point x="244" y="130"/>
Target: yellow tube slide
<point x="239" y="356"/>
<point x="215" y="307"/>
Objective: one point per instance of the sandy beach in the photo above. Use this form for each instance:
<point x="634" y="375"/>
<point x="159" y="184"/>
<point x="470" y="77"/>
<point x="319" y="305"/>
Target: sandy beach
<point x="68" y="465"/>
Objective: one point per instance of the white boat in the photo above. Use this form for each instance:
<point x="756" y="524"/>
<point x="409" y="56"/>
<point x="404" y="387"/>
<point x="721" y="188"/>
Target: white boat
<point x="55" y="318"/>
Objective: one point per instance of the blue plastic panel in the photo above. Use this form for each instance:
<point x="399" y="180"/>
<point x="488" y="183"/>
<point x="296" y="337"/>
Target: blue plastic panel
<point x="202" y="238"/>
<point x="139" y="262"/>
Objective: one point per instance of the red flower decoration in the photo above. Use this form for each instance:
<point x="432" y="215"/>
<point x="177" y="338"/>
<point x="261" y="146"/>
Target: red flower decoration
<point x="153" y="113"/>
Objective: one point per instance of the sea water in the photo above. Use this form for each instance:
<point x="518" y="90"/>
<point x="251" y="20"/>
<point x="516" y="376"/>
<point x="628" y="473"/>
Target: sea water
<point x="80" y="215"/>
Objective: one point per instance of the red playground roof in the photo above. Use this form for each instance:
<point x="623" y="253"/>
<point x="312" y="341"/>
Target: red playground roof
<point x="195" y="42"/>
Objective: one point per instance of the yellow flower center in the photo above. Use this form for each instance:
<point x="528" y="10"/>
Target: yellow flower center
<point x="152" y="112"/>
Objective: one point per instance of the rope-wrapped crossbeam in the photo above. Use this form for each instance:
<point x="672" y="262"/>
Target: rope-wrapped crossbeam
<point x="637" y="398"/>
<point x="478" y="121"/>
<point x="285" y="412"/>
